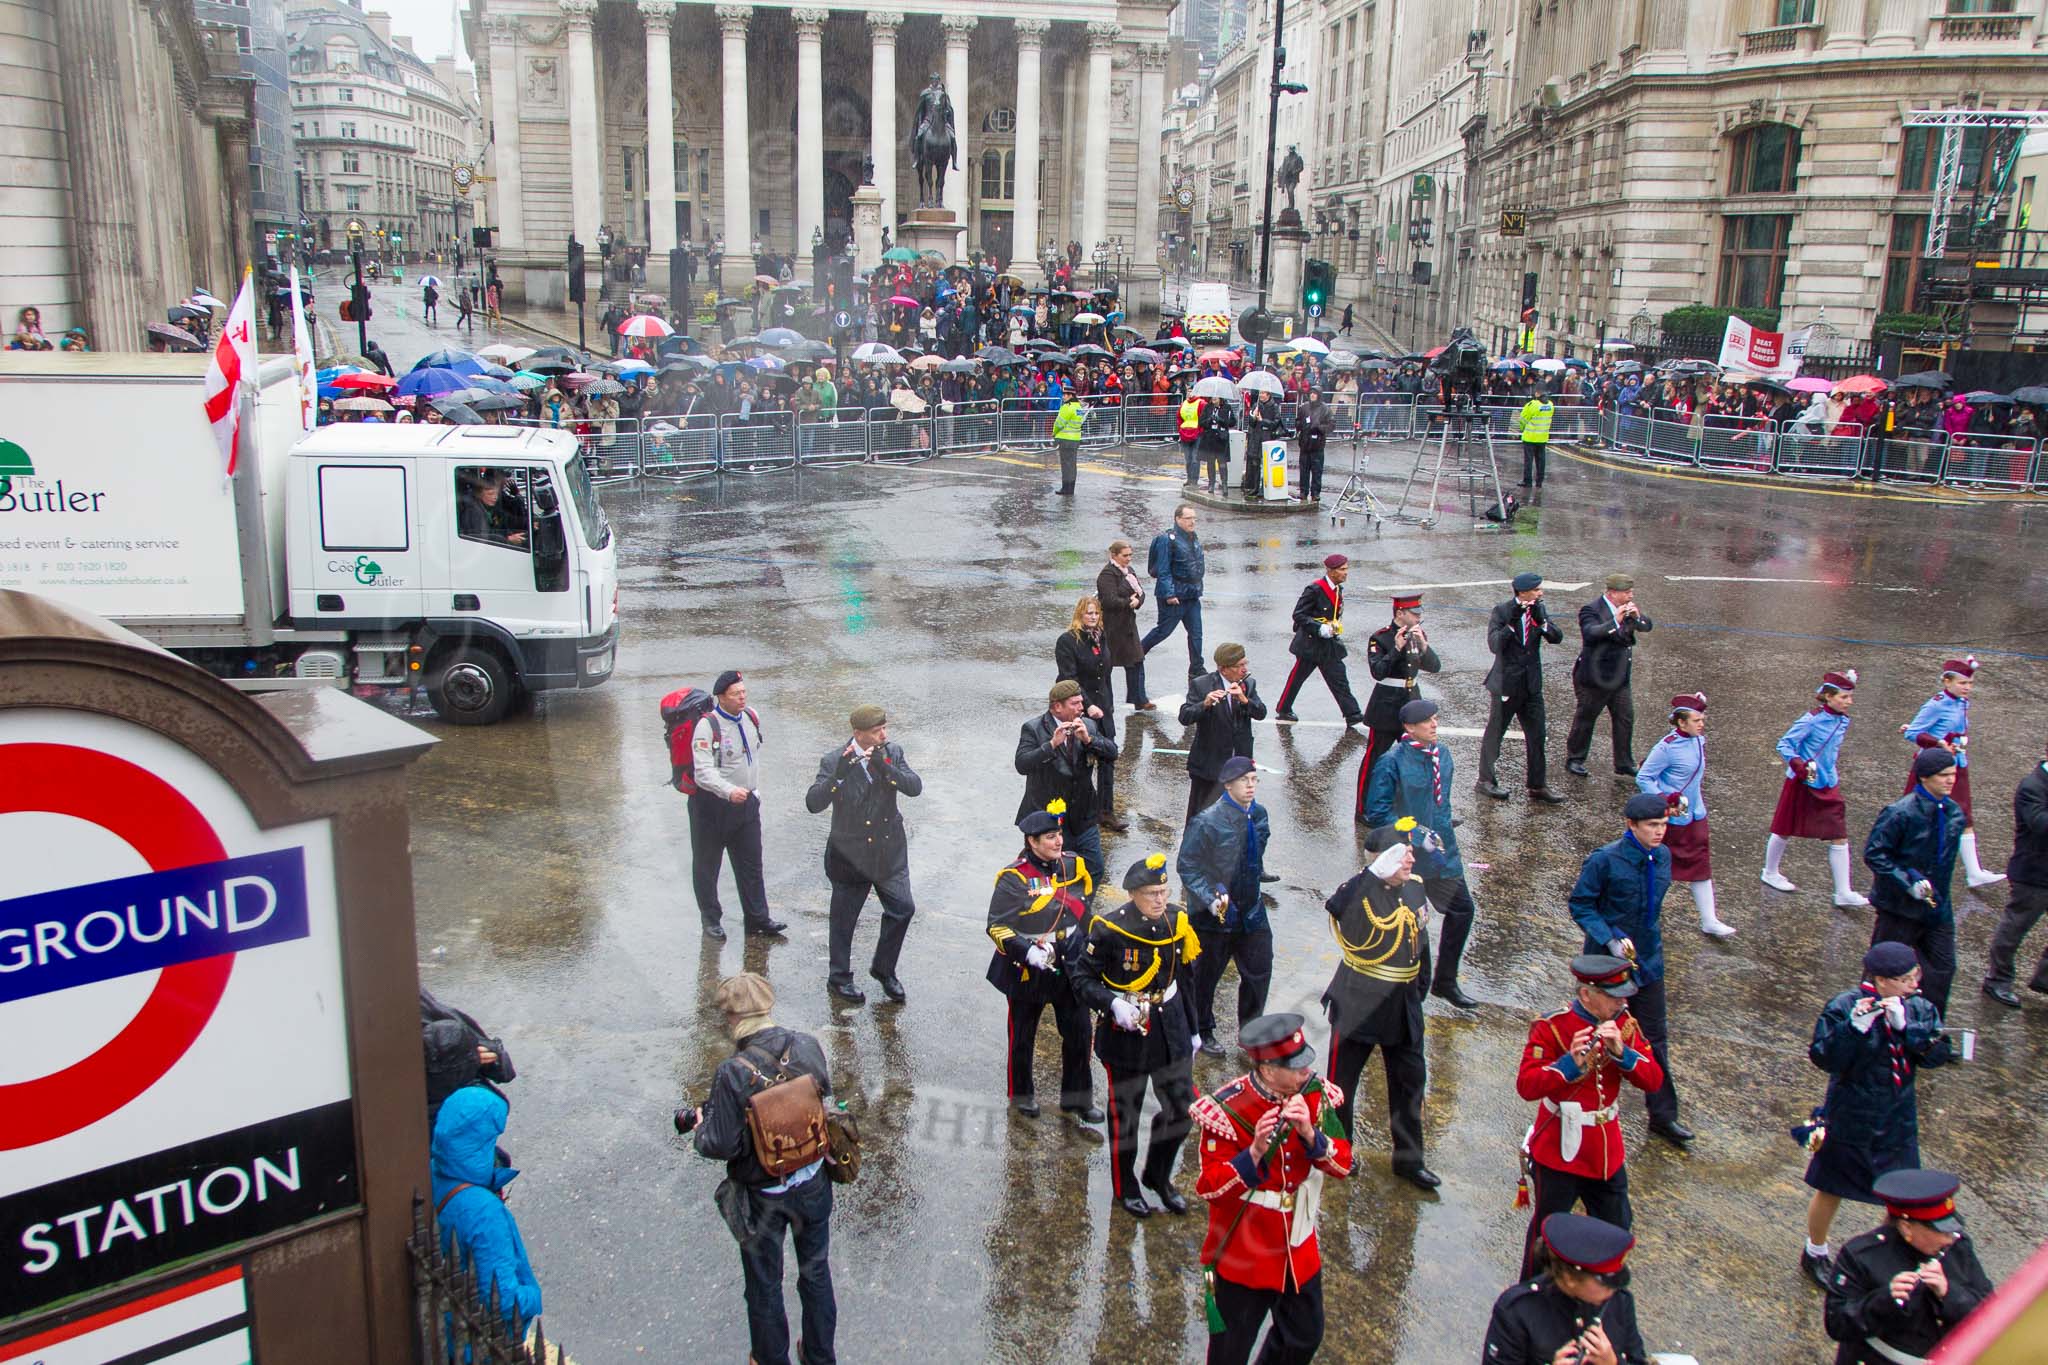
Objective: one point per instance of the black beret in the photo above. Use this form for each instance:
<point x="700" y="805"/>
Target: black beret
<point x="1418" y="711"/>
<point x="725" y="680"/>
<point x="1526" y="580"/>
<point x="1147" y="871"/>
<point x="1928" y="762"/>
<point x="1038" y="822"/>
<point x="1234" y="767"/>
<point x="1646" y="806"/>
<point x="1889" y="959"/>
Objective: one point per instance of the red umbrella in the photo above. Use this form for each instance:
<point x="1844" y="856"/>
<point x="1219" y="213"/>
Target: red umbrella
<point x="645" y="325"/>
<point x="1433" y="353"/>
<point x="364" y="380"/>
<point x="1862" y="383"/>
<point x="905" y="301"/>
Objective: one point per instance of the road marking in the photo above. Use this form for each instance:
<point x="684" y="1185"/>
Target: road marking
<point x="1727" y="481"/>
<point x="1446" y="731"/>
<point x="1183" y="753"/>
<point x="1089" y="468"/>
<point x="1468" y="583"/>
<point x="1825" y="582"/>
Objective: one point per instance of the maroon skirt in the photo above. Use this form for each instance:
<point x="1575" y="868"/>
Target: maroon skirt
<point x="1810" y="812"/>
<point x="1961" y="793"/>
<point x="1688" y="845"/>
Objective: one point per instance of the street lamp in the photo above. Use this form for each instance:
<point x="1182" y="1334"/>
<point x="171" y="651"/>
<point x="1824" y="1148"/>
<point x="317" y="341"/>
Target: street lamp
<point x="1277" y="88"/>
<point x="359" y="293"/>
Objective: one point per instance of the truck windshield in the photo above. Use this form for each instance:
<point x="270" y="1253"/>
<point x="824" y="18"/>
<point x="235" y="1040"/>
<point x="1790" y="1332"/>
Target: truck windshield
<point x="597" y="532"/>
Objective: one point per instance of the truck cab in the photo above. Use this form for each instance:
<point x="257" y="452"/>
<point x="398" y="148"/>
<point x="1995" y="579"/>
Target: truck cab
<point x="473" y="560"/>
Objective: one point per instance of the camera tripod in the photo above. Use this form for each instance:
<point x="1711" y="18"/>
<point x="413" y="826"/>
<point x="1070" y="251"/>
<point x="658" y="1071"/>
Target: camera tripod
<point x="1459" y="444"/>
<point x="1355" y="496"/>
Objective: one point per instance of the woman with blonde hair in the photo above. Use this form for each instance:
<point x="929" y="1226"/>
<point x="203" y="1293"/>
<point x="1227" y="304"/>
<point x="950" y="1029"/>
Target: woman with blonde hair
<point x="1082" y="653"/>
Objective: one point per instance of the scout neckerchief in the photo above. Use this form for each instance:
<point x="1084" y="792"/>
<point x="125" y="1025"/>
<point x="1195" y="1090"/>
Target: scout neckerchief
<point x="1436" y="765"/>
<point x="1894" y="1041"/>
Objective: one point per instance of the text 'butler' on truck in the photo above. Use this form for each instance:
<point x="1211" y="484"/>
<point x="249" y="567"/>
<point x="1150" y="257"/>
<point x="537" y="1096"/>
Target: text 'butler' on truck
<point x="472" y="561"/>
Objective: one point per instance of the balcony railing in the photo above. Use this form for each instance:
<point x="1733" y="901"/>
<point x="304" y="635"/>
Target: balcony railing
<point x="1766" y="42"/>
<point x="1982" y="28"/>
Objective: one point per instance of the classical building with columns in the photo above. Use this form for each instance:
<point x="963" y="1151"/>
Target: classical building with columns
<point x="764" y="115"/>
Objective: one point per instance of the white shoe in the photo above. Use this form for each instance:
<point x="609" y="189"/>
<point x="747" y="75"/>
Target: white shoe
<point x="1850" y="900"/>
<point x="1718" y="930"/>
<point x="1988" y="879"/>
<point x="1777" y="881"/>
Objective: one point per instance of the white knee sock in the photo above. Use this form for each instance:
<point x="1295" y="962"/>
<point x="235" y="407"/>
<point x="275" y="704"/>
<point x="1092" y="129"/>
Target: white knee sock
<point x="1774" y="853"/>
<point x="1838" y="863"/>
<point x="1703" y="901"/>
<point x="1973" y="869"/>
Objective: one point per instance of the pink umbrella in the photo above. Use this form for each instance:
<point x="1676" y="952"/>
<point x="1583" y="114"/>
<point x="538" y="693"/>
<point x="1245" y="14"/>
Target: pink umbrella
<point x="1862" y="383"/>
<point x="645" y="325"/>
<point x="578" y="379"/>
<point x="1807" y="383"/>
<point x="905" y="301"/>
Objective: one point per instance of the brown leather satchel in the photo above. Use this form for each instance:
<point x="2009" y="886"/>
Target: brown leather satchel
<point x="786" y="1117"/>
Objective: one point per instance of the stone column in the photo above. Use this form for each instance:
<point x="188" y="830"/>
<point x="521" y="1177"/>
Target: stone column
<point x="1898" y="22"/>
<point x="738" y="263"/>
<point x="1151" y="107"/>
<point x="1095" y="145"/>
<point x="117" y="297"/>
<point x="882" y="26"/>
<point x="234" y="173"/>
<point x="1845" y="26"/>
<point x="661" y="137"/>
<point x="810" y="127"/>
<point x="586" y="164"/>
<point x="959" y="29"/>
<point x="1024" y="230"/>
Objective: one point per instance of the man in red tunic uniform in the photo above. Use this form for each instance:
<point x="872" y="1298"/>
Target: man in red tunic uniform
<point x="1268" y="1140"/>
<point x="1573" y="1067"/>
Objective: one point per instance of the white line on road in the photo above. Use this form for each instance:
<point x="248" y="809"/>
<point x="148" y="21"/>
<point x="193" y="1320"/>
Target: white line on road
<point x="1825" y="582"/>
<point x="1470" y="583"/>
<point x="1183" y="753"/>
<point x="1446" y="731"/>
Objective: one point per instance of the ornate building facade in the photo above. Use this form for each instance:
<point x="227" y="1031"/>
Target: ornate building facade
<point x="772" y="113"/>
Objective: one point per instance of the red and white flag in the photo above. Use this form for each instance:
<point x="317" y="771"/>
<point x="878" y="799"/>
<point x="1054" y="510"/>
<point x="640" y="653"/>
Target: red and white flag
<point x="233" y="363"/>
<point x="302" y="357"/>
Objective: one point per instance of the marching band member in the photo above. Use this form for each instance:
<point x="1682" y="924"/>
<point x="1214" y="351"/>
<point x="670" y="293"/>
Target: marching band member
<point x="1943" y="722"/>
<point x="1035" y="919"/>
<point x="1675" y="769"/>
<point x="1810" y="803"/>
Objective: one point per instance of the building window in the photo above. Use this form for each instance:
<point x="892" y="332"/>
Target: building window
<point x="1764" y="160"/>
<point x="1980" y="6"/>
<point x="348" y="94"/>
<point x="351" y="163"/>
<point x="1795" y="12"/>
<point x="1920" y="153"/>
<point x="348" y="129"/>
<point x="1753" y="249"/>
<point x="351" y="197"/>
<point x="1902" y="262"/>
<point x="626" y="162"/>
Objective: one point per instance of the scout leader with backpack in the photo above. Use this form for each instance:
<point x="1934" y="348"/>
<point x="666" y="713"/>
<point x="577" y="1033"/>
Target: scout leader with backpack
<point x="714" y="754"/>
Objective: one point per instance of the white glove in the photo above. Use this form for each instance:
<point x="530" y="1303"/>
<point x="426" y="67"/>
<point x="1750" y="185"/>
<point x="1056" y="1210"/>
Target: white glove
<point x="1863" y="1017"/>
<point x="1325" y="631"/>
<point x="1125" y="1014"/>
<point x="1895" y="1010"/>
<point x="1198" y="1044"/>
<point x="1923" y="890"/>
<point x="1039" y="955"/>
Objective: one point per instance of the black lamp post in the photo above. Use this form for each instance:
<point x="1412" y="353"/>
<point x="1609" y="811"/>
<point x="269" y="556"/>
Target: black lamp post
<point x="1276" y="90"/>
<point x="359" y="293"/>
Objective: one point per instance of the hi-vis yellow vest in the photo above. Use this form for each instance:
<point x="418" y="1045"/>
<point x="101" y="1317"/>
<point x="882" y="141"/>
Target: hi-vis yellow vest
<point x="1190" y="418"/>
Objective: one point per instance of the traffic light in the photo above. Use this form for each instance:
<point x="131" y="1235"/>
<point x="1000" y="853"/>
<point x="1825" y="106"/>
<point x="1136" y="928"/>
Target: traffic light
<point x="356" y="307"/>
<point x="575" y="271"/>
<point x="1318" y="282"/>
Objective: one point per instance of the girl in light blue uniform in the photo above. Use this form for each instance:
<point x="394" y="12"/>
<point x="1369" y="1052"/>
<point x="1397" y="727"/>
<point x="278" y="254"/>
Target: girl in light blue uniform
<point x="1943" y="722"/>
<point x="1810" y="805"/>
<point x="1674" y="769"/>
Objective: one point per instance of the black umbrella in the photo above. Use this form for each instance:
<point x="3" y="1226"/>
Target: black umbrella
<point x="549" y="365"/>
<point x="1773" y="385"/>
<point x="1984" y="398"/>
<point x="961" y="366"/>
<point x="1090" y="351"/>
<point x="1054" y="358"/>
<point x="177" y="336"/>
<point x="1037" y="345"/>
<point x="497" y="402"/>
<point x="184" y="313"/>
<point x="2035" y="394"/>
<point x="461" y="415"/>
<point x="808" y="350"/>
<point x="1924" y="379"/>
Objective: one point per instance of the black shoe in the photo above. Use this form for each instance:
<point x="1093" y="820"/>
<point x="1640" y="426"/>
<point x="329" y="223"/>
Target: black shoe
<point x="1494" y="790"/>
<point x="766" y="926"/>
<point x="716" y="931"/>
<point x="1421" y="1177"/>
<point x="1575" y="768"/>
<point x="1625" y="769"/>
<point x="891" y="987"/>
<point x="1136" y="1206"/>
<point x="1287" y="716"/>
<point x="1086" y="1114"/>
<point x="1269" y="877"/>
<point x="1454" y="993"/>
<point x="1672" y="1131"/>
<point x="1819" y="1269"/>
<point x="2004" y="995"/>
<point x="848" y="992"/>
<point x="1114" y="825"/>
<point x="1546" y="796"/>
<point x="1170" y="1199"/>
<point x="1024" y="1107"/>
<point x="1212" y="1048"/>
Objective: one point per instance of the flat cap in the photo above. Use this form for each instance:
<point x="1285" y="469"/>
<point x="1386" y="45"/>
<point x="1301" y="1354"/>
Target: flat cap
<point x="1889" y="959"/>
<point x="1276" y="1038"/>
<point x="1149" y="870"/>
<point x="1620" y="582"/>
<point x="867" y="717"/>
<point x="747" y="994"/>
<point x="1418" y="711"/>
<point x="1527" y="580"/>
<point x="1610" y="974"/>
<point x="725" y="681"/>
<point x="1063" y="689"/>
<point x="1646" y="806"/>
<point x="1928" y="762"/>
<point x="1229" y="655"/>
<point x="1234" y="767"/>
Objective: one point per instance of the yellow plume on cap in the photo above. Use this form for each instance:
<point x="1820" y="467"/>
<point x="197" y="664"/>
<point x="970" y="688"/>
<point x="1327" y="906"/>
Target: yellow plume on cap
<point x="1055" y="807"/>
<point x="1405" y="823"/>
<point x="1157" y="860"/>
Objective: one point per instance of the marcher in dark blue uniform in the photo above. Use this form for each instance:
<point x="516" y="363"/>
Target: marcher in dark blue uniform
<point x="1036" y="919"/>
<point x="1222" y="857"/>
<point x="1414" y="780"/>
<point x="1619" y="904"/>
<point x="1899" y="1289"/>
<point x="1912" y="849"/>
<point x="1870" y="1041"/>
<point x="1581" y="1297"/>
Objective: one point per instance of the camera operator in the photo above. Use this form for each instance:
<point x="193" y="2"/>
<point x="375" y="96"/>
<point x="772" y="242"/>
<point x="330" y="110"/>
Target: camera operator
<point x="764" y="1206"/>
<point x="1461" y="371"/>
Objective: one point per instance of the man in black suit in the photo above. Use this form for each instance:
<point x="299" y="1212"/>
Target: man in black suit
<point x="1221" y="706"/>
<point x="867" y="849"/>
<point x="1607" y="630"/>
<point x="1057" y="753"/>
<point x="2027" y="871"/>
<point x="1318" y="644"/>
<point x="1515" y="632"/>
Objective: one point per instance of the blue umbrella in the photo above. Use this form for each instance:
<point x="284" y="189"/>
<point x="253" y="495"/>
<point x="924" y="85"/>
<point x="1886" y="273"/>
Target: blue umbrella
<point x="462" y="362"/>
<point x="431" y="382"/>
<point x="335" y="372"/>
<point x="490" y="385"/>
<point x="1508" y="365"/>
<point x="635" y="366"/>
<point x="497" y="371"/>
<point x="526" y="383"/>
<point x="780" y="336"/>
<point x="1572" y="362"/>
<point x="764" y="362"/>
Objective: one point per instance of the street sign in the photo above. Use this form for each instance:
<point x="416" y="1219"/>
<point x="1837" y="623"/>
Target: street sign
<point x="1513" y="222"/>
<point x="1424" y="186"/>
<point x="1315" y="310"/>
<point x="176" y="1078"/>
<point x="202" y="1318"/>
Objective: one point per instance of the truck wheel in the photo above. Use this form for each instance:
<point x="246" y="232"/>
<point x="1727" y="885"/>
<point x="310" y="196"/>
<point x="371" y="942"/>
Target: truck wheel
<point x="473" y="688"/>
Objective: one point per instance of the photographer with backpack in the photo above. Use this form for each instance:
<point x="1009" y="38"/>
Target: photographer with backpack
<point x="714" y="749"/>
<point x="765" y="1119"/>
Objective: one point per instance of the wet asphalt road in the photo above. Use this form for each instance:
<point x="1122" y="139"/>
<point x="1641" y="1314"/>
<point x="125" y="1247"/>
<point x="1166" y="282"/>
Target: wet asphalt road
<point x="552" y="876"/>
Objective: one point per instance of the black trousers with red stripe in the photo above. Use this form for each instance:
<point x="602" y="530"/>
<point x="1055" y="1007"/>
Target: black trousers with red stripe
<point x="1333" y="673"/>
<point x="1077" y="1081"/>
<point x="1380" y="742"/>
<point x="1174" y="1085"/>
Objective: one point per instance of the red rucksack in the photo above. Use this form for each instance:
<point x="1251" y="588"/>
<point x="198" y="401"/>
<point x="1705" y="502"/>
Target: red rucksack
<point x="680" y="712"/>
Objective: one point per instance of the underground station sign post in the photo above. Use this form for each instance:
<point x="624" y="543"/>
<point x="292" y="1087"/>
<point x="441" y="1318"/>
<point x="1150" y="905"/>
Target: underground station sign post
<point x="211" y="1101"/>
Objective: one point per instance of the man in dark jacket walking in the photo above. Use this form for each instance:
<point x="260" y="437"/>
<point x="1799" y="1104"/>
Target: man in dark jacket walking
<point x="1056" y="753"/>
<point x="2027" y="871"/>
<point x="1618" y="904"/>
<point x="1221" y="706"/>
<point x="1178" y="565"/>
<point x="1912" y="849"/>
<point x="1222" y="857"/>
<point x="1318" y="644"/>
<point x="799" y="1203"/>
<point x="1607" y="630"/>
<point x="1515" y="632"/>
<point x="867" y="849"/>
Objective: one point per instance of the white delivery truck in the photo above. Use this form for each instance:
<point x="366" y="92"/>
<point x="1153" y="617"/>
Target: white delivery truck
<point x="474" y="562"/>
<point x="1207" y="316"/>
